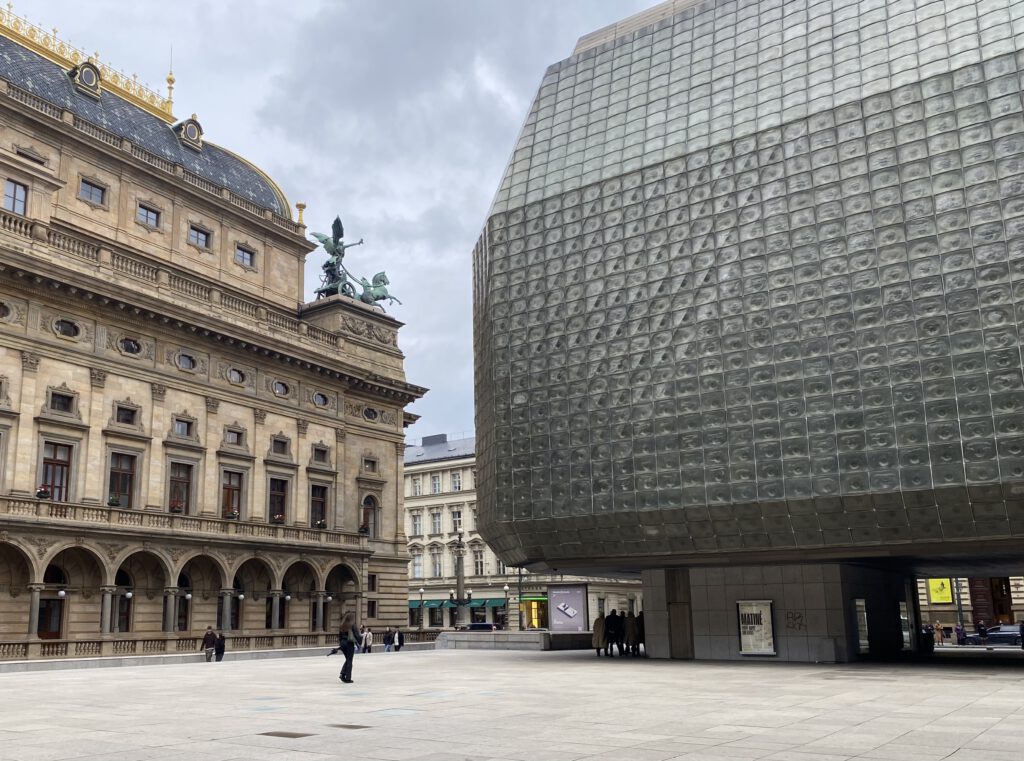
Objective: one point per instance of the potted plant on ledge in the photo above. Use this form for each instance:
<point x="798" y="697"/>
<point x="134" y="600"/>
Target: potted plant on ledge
<point x="43" y="492"/>
<point x="277" y="518"/>
<point x="113" y="501"/>
<point x="364" y="529"/>
<point x="231" y="515"/>
<point x="320" y="524"/>
<point x="176" y="506"/>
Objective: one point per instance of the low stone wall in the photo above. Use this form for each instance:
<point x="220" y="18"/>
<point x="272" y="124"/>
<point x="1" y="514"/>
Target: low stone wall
<point x="511" y="640"/>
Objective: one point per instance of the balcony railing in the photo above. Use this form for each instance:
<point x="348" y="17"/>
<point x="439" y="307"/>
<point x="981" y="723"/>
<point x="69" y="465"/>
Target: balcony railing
<point x="114" y="517"/>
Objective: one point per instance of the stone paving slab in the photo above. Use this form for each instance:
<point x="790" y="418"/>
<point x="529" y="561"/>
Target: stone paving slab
<point x="455" y="705"/>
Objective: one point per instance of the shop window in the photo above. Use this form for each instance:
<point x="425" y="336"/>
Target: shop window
<point x="15" y="197"/>
<point x="478" y="615"/>
<point x="436" y="617"/>
<point x="121" y="481"/>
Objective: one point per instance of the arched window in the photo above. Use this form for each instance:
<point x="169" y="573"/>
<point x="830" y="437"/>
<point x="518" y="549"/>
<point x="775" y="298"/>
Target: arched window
<point x="371" y="517"/>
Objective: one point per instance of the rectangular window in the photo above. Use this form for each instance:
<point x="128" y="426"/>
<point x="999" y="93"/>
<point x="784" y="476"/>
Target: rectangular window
<point x="127" y="415"/>
<point x="234" y="437"/>
<point x="417" y="565"/>
<point x="417" y="524"/>
<point x="369" y="465"/>
<point x="371" y="608"/>
<point x="277" y="499"/>
<point x="279" y="446"/>
<point x="417" y="486"/>
<point x="501" y="568"/>
<point x="198" y="237"/>
<point x="371" y="582"/>
<point x="91" y="192"/>
<point x="180" y="497"/>
<point x="62" y="402"/>
<point x="231" y="493"/>
<point x="456" y="520"/>
<point x="456" y="480"/>
<point x="183" y="427"/>
<point x="436" y="617"/>
<point x="436" y="562"/>
<point x="320" y="455"/>
<point x="435" y="523"/>
<point x="318" y="505"/>
<point x="57" y="470"/>
<point x="147" y="216"/>
<point x="478" y="562"/>
<point x="15" y="196"/>
<point x="245" y="257"/>
<point x="122" y="479"/>
<point x="435" y="483"/>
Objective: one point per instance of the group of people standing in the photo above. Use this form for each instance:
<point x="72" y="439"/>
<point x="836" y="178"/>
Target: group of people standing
<point x="619" y="630"/>
<point x="352" y="640"/>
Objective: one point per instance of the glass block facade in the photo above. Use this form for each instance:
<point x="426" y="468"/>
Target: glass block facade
<point x="754" y="279"/>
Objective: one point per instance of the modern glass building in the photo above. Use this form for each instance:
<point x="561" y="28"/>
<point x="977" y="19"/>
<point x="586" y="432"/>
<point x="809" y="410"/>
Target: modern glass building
<point x="747" y="314"/>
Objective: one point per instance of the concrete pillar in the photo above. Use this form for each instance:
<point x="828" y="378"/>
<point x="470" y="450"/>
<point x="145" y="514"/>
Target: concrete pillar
<point x="275" y="609"/>
<point x="319" y="623"/>
<point x="170" y="608"/>
<point x="105" y="607"/>
<point x="33" y="608"/>
<point x="668" y="628"/>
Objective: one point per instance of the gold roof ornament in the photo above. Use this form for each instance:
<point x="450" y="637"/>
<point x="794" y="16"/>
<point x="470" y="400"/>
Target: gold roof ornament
<point x="64" y="54"/>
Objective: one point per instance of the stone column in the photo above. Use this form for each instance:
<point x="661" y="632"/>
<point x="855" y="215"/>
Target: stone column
<point x="319" y="623"/>
<point x="159" y="423"/>
<point x="92" y="458"/>
<point x="275" y="609"/>
<point x="170" y="608"/>
<point x="299" y="507"/>
<point x="209" y="497"/>
<point x="105" y="609"/>
<point x="33" y="608"/>
<point x="225" y="620"/>
<point x="25" y="450"/>
<point x="256" y="489"/>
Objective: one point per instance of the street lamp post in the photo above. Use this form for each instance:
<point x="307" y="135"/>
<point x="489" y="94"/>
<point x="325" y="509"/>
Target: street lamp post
<point x="458" y="595"/>
<point x="520" y="606"/>
<point x="505" y="622"/>
<point x="422" y="590"/>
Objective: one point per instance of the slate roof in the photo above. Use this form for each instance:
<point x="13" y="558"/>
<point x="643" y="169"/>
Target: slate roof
<point x="50" y="82"/>
<point x="442" y="450"/>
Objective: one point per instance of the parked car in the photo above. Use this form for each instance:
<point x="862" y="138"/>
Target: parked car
<point x="1004" y="634"/>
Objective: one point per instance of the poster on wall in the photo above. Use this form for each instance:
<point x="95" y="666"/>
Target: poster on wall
<point x="757" y="637"/>
<point x="567" y="609"/>
<point x="940" y="590"/>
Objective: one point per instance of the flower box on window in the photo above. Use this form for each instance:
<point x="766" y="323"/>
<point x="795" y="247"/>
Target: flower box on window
<point x="231" y="515"/>
<point x="278" y="518"/>
<point x="176" y="507"/>
<point x="320" y="524"/>
<point x="364" y="529"/>
<point x="43" y="492"/>
<point x="113" y="501"/>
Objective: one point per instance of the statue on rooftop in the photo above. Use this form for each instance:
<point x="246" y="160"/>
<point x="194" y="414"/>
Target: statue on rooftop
<point x="338" y="280"/>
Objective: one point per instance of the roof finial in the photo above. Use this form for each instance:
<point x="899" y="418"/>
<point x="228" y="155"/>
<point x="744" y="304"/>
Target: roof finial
<point x="301" y="208"/>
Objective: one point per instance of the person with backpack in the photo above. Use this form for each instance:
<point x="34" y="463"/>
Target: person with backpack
<point x="348" y="635"/>
<point x="389" y="640"/>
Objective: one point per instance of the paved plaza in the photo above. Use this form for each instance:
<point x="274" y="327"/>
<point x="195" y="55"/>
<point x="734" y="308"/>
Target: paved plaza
<point x="491" y="706"/>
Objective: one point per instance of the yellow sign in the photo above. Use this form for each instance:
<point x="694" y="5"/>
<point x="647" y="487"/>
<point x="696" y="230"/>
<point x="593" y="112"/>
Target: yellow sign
<point x="940" y="590"/>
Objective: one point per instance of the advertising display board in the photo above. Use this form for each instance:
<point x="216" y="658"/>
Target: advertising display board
<point x="757" y="636"/>
<point x="940" y="590"/>
<point x="567" y="609"/>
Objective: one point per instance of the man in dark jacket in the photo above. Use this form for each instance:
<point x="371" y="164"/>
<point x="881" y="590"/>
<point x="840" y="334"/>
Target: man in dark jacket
<point x="209" y="643"/>
<point x="1022" y="634"/>
<point x="611" y="632"/>
<point x="220" y="647"/>
<point x="399" y="639"/>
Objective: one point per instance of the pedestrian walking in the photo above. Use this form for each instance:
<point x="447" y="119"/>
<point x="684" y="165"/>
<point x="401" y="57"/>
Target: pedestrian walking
<point x="389" y="640"/>
<point x="597" y="639"/>
<point x="399" y="639"/>
<point x="611" y="626"/>
<point x="960" y="634"/>
<point x="367" y="640"/>
<point x="348" y="636"/>
<point x="359" y="642"/>
<point x="640" y="631"/>
<point x="620" y="634"/>
<point x="220" y="647"/>
<point x="940" y="635"/>
<point x="209" y="643"/>
<point x="982" y="632"/>
<point x="632" y="636"/>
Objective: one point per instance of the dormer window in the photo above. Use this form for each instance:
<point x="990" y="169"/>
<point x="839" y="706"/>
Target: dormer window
<point x="190" y="133"/>
<point x="86" y="77"/>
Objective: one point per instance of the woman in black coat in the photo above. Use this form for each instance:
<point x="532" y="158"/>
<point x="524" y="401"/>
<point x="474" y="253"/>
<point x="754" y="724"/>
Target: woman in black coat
<point x="348" y="635"/>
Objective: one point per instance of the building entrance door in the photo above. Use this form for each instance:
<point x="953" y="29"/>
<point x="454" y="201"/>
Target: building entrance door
<point x="51" y="619"/>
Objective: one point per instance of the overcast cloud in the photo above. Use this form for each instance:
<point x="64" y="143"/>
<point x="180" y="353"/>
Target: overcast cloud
<point x="399" y="115"/>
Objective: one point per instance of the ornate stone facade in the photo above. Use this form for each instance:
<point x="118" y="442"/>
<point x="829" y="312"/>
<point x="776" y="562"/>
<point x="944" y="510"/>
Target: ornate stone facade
<point x="174" y="445"/>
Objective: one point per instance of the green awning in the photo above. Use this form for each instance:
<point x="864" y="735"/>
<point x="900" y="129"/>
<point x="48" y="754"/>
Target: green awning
<point x="476" y="603"/>
<point x="448" y="604"/>
<point x="413" y="604"/>
<point x="492" y="603"/>
<point x="433" y="603"/>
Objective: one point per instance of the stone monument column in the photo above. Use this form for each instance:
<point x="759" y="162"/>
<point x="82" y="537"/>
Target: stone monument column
<point x="170" y="608"/>
<point x="105" y="608"/>
<point x="319" y="623"/>
<point x="225" y="619"/>
<point x="275" y="609"/>
<point x="33" y="608"/>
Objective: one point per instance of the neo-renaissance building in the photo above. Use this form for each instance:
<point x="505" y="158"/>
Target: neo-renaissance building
<point x="747" y="317"/>
<point x="183" y="442"/>
<point x="441" y="522"/>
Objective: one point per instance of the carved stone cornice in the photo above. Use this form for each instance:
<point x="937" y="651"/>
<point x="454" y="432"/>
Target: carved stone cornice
<point x="98" y="378"/>
<point x="159" y="391"/>
<point x="29" y="362"/>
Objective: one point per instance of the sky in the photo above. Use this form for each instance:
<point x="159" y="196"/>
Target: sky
<point x="397" y="115"/>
